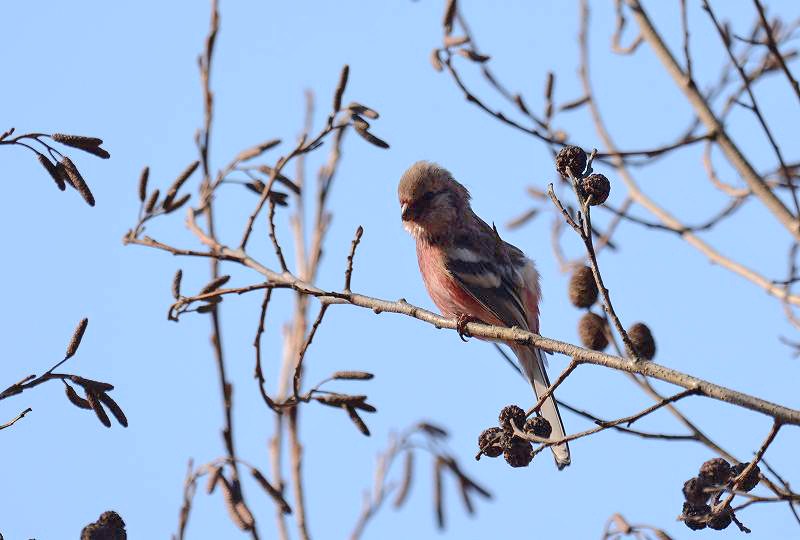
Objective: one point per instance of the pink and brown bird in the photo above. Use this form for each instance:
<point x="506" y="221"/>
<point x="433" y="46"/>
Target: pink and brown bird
<point x="473" y="275"/>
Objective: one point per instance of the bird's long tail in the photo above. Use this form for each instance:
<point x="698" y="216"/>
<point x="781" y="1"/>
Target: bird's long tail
<point x="532" y="363"/>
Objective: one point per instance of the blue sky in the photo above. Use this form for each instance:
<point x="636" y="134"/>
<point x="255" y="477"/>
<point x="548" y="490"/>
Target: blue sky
<point x="126" y="72"/>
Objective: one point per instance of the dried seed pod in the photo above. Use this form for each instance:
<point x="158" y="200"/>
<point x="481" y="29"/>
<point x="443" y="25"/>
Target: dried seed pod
<point x="337" y="96"/>
<point x="75" y="399"/>
<point x="75" y="340"/>
<point x="405" y="484"/>
<point x="269" y="171"/>
<point x="720" y="520"/>
<point x="489" y="442"/>
<point x="438" y="494"/>
<point x="143" y="183"/>
<point x="172" y="192"/>
<point x="272" y="491"/>
<point x="597" y="187"/>
<point x="213" y="479"/>
<point x="215" y="284"/>
<point x="257" y="150"/>
<point x="76" y="141"/>
<point x="115" y="409"/>
<point x="455" y="41"/>
<point x="433" y="430"/>
<point x="518" y="453"/>
<point x="539" y="426"/>
<point x="237" y="510"/>
<point x="436" y="60"/>
<point x="359" y="123"/>
<point x="694" y="491"/>
<point x="370" y="138"/>
<point x="591" y="330"/>
<point x="695" y="516"/>
<point x="77" y="180"/>
<point x="582" y="288"/>
<point x="151" y="202"/>
<point x="176" y="284"/>
<point x="715" y="471"/>
<point x="642" y="340"/>
<point x="352" y="375"/>
<point x="362" y="427"/>
<point x="363" y="110"/>
<point x="52" y="171"/>
<point x="337" y="400"/>
<point x="98" y="409"/>
<point x="571" y="160"/>
<point x="175" y="205"/>
<point x="474" y="56"/>
<point x="509" y="414"/>
<point x="449" y="16"/>
<point x="750" y="481"/>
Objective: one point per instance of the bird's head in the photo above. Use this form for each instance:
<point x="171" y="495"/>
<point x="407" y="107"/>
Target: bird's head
<point x="432" y="203"/>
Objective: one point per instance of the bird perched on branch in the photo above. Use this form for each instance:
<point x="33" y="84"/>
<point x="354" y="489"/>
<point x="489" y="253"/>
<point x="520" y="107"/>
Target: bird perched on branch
<point x="473" y="275"/>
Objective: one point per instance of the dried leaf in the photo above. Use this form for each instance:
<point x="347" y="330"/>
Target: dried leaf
<point x="272" y="491"/>
<point x="362" y="427"/>
<point x="77" y="181"/>
<point x="75" y="399"/>
<point x="352" y="375"/>
<point x="75" y="340"/>
<point x="337" y="96"/>
<point x="143" y="183"/>
<point x="98" y="409"/>
<point x="115" y="409"/>
<point x="405" y="484"/>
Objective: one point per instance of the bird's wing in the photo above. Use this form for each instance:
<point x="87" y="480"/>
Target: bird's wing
<point x="488" y="270"/>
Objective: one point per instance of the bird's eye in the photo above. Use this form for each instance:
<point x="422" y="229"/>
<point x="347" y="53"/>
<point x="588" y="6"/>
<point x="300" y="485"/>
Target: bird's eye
<point x="428" y="196"/>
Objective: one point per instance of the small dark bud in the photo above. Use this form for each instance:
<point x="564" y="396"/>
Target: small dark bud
<point x="720" y="520"/>
<point x="642" y="340"/>
<point x="511" y="413"/>
<point x="582" y="288"/>
<point x="337" y="95"/>
<point x="151" y="202"/>
<point x="539" y="426"/>
<point x="215" y="284"/>
<point x="598" y="187"/>
<point x="591" y="330"/>
<point x="571" y="159"/>
<point x="715" y="471"/>
<point x="518" y="454"/>
<point x="143" y="183"/>
<point x="694" y="491"/>
<point x="176" y="284"/>
<point x="750" y="481"/>
<point x="489" y="442"/>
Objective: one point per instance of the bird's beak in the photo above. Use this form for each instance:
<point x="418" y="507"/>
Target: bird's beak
<point x="405" y="212"/>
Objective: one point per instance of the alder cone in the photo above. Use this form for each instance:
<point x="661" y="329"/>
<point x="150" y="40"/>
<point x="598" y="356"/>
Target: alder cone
<point x="571" y="160"/>
<point x="642" y="339"/>
<point x="598" y="187"/>
<point x="582" y="288"/>
<point x="591" y="330"/>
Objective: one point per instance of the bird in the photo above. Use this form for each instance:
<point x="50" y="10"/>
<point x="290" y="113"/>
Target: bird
<point x="471" y="274"/>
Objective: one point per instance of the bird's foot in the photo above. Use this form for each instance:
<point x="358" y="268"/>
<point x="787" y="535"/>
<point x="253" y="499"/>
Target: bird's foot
<point x="461" y="325"/>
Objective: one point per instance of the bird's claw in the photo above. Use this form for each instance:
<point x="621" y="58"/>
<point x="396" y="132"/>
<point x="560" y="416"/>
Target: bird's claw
<point x="461" y="326"/>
